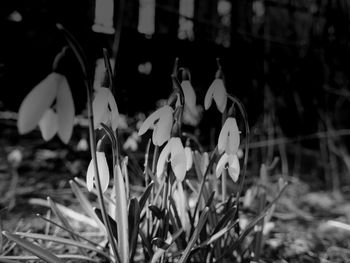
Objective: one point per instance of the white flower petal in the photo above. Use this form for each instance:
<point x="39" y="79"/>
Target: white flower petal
<point x="190" y="95"/>
<point x="220" y="95"/>
<point x="233" y="168"/>
<point x="163" y="157"/>
<point x="48" y="125"/>
<point x="209" y="96"/>
<point x="111" y="100"/>
<point x="181" y="202"/>
<point x="65" y="111"/>
<point x="221" y="165"/>
<point x="90" y="174"/>
<point x="178" y="159"/>
<point x="102" y="170"/>
<point x="162" y="131"/>
<point x="99" y="105"/>
<point x="233" y="137"/>
<point x="189" y="158"/>
<point x="37" y="102"/>
<point x="147" y="124"/>
<point x="223" y="137"/>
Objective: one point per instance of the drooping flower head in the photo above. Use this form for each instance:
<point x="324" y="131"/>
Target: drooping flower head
<point x="162" y="122"/>
<point x="102" y="170"/>
<point x="175" y="150"/>
<point x="229" y="137"/>
<point x="190" y="96"/>
<point x="105" y="109"/>
<point x="50" y="105"/>
<point x="229" y="162"/>
<point x="216" y="91"/>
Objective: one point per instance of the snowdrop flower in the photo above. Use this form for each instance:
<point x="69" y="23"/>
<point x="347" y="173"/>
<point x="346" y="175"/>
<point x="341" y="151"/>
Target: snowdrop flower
<point x="190" y="96"/>
<point x="37" y="109"/>
<point x="216" y="91"/>
<point x="178" y="161"/>
<point x="162" y="119"/>
<point x="229" y="162"/>
<point x="102" y="170"/>
<point x="229" y="137"/>
<point x="189" y="158"/>
<point x="105" y="109"/>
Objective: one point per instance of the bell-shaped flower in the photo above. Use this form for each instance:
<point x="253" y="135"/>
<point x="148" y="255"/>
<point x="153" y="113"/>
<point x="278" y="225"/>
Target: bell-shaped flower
<point x="229" y="162"/>
<point x="189" y="158"/>
<point x="190" y="96"/>
<point x="216" y="91"/>
<point x="229" y="137"/>
<point x="105" y="109"/>
<point x="162" y="120"/>
<point x="177" y="154"/>
<point x="103" y="172"/>
<point x="38" y="108"/>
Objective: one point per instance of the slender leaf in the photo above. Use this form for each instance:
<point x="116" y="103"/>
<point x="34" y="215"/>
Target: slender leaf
<point x="86" y="205"/>
<point x="49" y="221"/>
<point x="134" y="221"/>
<point x="113" y="224"/>
<point x="195" y="235"/>
<point x="32" y="248"/>
<point x="146" y="194"/>
<point x="121" y="214"/>
<point x="63" y="220"/>
<point x="10" y="259"/>
<point x="156" y="211"/>
<point x="61" y="240"/>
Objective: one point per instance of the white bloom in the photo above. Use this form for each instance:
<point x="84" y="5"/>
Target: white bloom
<point x="37" y="108"/>
<point x="189" y="158"/>
<point x="162" y="119"/>
<point x="178" y="161"/>
<point x="102" y="170"/>
<point x="229" y="137"/>
<point x="217" y="91"/>
<point x="105" y="109"/>
<point x="231" y="163"/>
<point x="190" y="95"/>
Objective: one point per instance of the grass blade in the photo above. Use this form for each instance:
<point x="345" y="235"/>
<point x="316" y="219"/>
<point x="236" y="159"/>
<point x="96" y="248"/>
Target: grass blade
<point x="63" y="220"/>
<point x="134" y="221"/>
<point x="195" y="235"/>
<point x="113" y="224"/>
<point x="121" y="215"/>
<point x="86" y="205"/>
<point x="10" y="259"/>
<point x="62" y="240"/>
<point x="145" y="195"/>
<point x="34" y="249"/>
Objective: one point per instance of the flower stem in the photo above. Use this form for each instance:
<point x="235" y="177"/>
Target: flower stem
<point x="78" y="51"/>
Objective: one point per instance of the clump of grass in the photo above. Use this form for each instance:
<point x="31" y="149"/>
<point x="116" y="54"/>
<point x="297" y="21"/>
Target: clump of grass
<point x="177" y="218"/>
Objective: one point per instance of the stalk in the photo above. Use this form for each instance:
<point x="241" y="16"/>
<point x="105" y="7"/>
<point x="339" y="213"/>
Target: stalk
<point x="83" y="64"/>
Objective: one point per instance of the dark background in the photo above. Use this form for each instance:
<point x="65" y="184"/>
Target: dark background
<point x="291" y="60"/>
